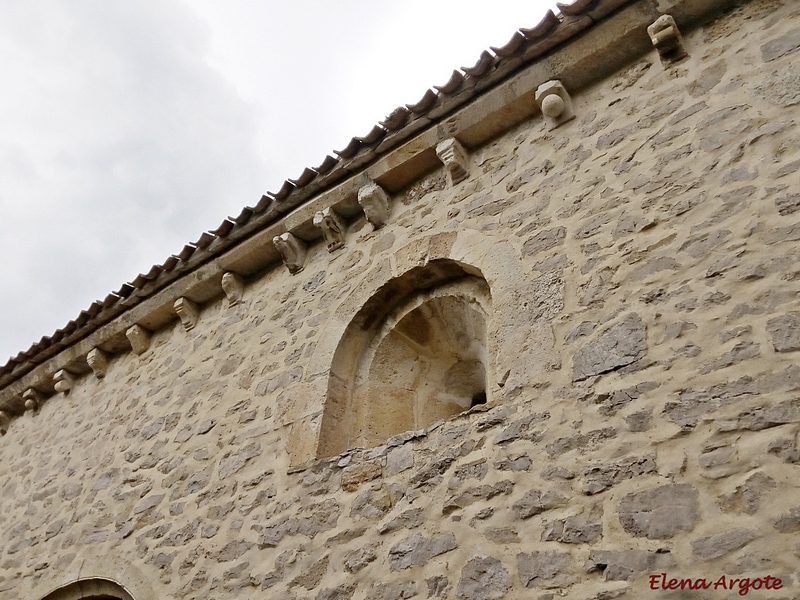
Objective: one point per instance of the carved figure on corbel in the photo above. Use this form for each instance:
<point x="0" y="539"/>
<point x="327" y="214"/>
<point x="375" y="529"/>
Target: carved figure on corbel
<point x="188" y="312"/>
<point x="455" y="159"/>
<point x="64" y="380"/>
<point x="139" y="339"/>
<point x="332" y="226"/>
<point x="374" y="202"/>
<point x="5" y="421"/>
<point x="555" y="103"/>
<point x="98" y="362"/>
<point x="293" y="251"/>
<point x="33" y="399"/>
<point x="667" y="40"/>
<point x="233" y="286"/>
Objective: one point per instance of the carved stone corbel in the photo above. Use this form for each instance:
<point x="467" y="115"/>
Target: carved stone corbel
<point x="5" y="421"/>
<point x="139" y="339"/>
<point x="667" y="40"/>
<point x="555" y="103"/>
<point x="33" y="399"/>
<point x="188" y="312"/>
<point x="293" y="251"/>
<point x="64" y="380"/>
<point x="332" y="226"/>
<point x="98" y="362"/>
<point x="375" y="203"/>
<point x="455" y="159"/>
<point x="233" y="286"/>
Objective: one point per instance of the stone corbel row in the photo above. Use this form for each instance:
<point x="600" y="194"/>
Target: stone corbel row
<point x="374" y="201"/>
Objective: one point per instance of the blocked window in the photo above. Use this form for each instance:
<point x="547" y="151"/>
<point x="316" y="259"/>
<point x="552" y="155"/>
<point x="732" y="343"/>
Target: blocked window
<point x="416" y="353"/>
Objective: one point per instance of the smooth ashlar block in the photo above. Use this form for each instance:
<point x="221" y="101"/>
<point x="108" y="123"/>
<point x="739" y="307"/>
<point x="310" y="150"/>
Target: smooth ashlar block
<point x="332" y="226"/>
<point x="374" y="201"/>
<point x="98" y="362"/>
<point x="64" y="380"/>
<point x="555" y="103"/>
<point x="188" y="312"/>
<point x="455" y="159"/>
<point x="667" y="40"/>
<point x="139" y="339"/>
<point x="33" y="399"/>
<point x="293" y="251"/>
<point x="233" y="286"/>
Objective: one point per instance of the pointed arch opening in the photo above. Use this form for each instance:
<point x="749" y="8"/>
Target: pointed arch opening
<point x="418" y="351"/>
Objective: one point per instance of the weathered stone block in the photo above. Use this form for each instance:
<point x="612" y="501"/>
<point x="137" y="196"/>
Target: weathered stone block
<point x="617" y="346"/>
<point x="660" y="513"/>
<point x="548" y="570"/>
<point x="785" y="333"/>
<point x="721" y="544"/>
<point x="483" y="578"/>
<point x="417" y="550"/>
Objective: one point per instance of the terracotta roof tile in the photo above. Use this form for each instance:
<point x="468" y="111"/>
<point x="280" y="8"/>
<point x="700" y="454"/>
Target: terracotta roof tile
<point x="326" y="165"/>
<point x="575" y="8"/>
<point x="396" y="119"/>
<point x="453" y="84"/>
<point x="306" y="177"/>
<point x="375" y="135"/>
<point x="424" y="103"/>
<point x="285" y="190"/>
<point x="511" y="47"/>
<point x="481" y="67"/>
<point x="350" y="150"/>
<point x="543" y="29"/>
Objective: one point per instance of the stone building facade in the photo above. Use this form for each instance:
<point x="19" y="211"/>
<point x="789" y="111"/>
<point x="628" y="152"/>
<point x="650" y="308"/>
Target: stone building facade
<point x="535" y="336"/>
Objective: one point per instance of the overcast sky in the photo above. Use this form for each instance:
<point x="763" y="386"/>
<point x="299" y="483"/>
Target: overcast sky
<point x="127" y="129"/>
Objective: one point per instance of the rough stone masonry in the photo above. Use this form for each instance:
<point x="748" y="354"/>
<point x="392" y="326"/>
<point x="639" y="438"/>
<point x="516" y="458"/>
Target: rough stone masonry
<point x="610" y="283"/>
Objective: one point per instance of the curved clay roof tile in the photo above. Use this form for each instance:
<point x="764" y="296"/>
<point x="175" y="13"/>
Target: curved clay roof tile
<point x="543" y="29"/>
<point x="244" y="215"/>
<point x="576" y="8"/>
<point x="396" y="119"/>
<point x="350" y="150"/>
<point x="481" y="67"/>
<point x="512" y="47"/>
<point x="205" y="240"/>
<point x="453" y="84"/>
<point x="306" y="177"/>
<point x="375" y="135"/>
<point x="170" y="263"/>
<point x="264" y="202"/>
<point x="424" y="103"/>
<point x="327" y="165"/>
<point x="224" y="228"/>
<point x="186" y="253"/>
<point x="127" y="289"/>
<point x="285" y="190"/>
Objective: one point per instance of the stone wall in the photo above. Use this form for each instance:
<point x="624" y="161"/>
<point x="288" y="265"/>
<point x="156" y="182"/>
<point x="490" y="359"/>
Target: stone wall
<point x="643" y="265"/>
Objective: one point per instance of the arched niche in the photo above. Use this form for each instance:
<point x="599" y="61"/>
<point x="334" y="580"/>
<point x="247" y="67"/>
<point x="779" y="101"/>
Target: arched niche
<point x="419" y="350"/>
<point x="90" y="589"/>
<point x="520" y="345"/>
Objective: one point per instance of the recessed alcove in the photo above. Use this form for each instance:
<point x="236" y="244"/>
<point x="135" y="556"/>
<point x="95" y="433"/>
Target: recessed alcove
<point x="90" y="589"/>
<point x="417" y="352"/>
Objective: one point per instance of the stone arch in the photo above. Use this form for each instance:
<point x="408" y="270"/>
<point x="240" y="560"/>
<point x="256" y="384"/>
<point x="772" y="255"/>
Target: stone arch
<point x="416" y="352"/>
<point x="519" y="335"/>
<point x="90" y="589"/>
<point x="96" y="578"/>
